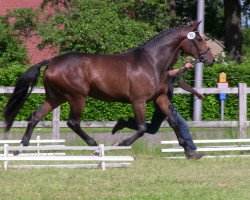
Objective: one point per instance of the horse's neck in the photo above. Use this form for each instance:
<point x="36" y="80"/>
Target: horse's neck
<point x="167" y="52"/>
<point x="171" y="52"/>
<point x="171" y="60"/>
<point x="169" y="65"/>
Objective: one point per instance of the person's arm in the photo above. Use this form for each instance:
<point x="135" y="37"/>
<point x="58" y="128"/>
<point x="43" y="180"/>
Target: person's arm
<point x="188" y="88"/>
<point x="174" y="72"/>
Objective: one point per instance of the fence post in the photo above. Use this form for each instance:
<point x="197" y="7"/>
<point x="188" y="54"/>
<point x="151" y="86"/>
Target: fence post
<point x="102" y="154"/>
<point x="6" y="154"/>
<point x="243" y="109"/>
<point x="38" y="138"/>
<point x="56" y="123"/>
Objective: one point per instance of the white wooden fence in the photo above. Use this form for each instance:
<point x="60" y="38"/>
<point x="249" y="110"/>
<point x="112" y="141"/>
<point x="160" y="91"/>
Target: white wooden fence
<point x="56" y="153"/>
<point x="227" y="146"/>
<point x="242" y="90"/>
<point x="38" y="142"/>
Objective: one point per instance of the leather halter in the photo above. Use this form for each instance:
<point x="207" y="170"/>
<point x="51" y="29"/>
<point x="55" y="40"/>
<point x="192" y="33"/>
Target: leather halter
<point x="200" y="53"/>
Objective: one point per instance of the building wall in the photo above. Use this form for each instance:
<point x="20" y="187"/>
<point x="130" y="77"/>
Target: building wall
<point x="34" y="53"/>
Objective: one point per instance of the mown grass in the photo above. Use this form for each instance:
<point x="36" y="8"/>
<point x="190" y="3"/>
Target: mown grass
<point x="151" y="177"/>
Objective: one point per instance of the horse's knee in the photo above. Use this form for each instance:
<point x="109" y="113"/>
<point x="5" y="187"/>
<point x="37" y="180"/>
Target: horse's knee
<point x="173" y="122"/>
<point x="33" y="120"/>
<point x="71" y="124"/>
<point x="141" y="130"/>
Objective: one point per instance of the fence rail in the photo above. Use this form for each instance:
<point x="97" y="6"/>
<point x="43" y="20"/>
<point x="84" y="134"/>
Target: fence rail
<point x="242" y="90"/>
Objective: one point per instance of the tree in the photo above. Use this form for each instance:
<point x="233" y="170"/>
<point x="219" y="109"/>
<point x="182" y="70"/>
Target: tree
<point x="246" y="11"/>
<point x="233" y="32"/>
<point x="172" y="10"/>
<point x="226" y="15"/>
<point x="12" y="51"/>
<point x="214" y="12"/>
<point x="107" y="26"/>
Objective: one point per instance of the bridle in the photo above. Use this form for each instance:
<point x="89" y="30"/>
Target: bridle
<point x="191" y="37"/>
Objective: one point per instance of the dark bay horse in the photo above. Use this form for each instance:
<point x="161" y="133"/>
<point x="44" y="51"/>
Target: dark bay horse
<point x="136" y="76"/>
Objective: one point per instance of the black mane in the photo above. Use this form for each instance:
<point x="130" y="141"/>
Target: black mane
<point x="155" y="39"/>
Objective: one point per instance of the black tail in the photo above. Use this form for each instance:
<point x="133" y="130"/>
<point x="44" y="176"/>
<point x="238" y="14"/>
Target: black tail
<point x="23" y="88"/>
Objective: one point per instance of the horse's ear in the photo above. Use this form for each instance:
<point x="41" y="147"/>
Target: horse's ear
<point x="195" y="25"/>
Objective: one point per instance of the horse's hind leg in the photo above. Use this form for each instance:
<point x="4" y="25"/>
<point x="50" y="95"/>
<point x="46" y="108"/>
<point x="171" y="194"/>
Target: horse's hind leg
<point x="76" y="109"/>
<point x="34" y="118"/>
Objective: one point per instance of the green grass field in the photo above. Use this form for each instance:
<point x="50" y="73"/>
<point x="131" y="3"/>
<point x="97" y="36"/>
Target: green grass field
<point x="150" y="177"/>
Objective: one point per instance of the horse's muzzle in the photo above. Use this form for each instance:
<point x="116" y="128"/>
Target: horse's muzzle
<point x="209" y="62"/>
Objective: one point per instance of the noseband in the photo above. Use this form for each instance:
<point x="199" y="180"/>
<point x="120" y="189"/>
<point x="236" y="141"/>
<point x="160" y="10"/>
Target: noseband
<point x="191" y="37"/>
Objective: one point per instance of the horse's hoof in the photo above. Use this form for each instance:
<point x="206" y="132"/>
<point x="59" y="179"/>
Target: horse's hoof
<point x="119" y="126"/>
<point x="124" y="143"/>
<point x="96" y="153"/>
<point x="92" y="143"/>
<point x="115" y="144"/>
<point x="15" y="153"/>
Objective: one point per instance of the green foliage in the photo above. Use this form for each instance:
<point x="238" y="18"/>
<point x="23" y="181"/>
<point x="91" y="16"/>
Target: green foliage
<point x="246" y="42"/>
<point x="109" y="26"/>
<point x="96" y="110"/>
<point x="153" y="12"/>
<point x="23" y="21"/>
<point x="214" y="12"/>
<point x="11" y="49"/>
<point x="211" y="104"/>
<point x="93" y="27"/>
<point x="9" y="75"/>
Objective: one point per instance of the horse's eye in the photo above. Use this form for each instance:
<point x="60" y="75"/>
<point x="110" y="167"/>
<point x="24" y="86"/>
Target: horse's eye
<point x="199" y="38"/>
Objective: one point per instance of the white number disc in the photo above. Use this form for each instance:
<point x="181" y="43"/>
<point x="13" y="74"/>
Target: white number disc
<point x="191" y="35"/>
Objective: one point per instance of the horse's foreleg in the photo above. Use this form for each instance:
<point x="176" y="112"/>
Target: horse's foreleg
<point x="139" y="110"/>
<point x="163" y="102"/>
<point x="76" y="109"/>
<point x="75" y="126"/>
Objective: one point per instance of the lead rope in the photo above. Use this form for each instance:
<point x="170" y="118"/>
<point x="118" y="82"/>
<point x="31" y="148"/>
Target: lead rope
<point x="183" y="73"/>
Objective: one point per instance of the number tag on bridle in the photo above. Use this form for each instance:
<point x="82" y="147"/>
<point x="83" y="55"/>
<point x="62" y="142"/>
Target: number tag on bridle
<point x="191" y="35"/>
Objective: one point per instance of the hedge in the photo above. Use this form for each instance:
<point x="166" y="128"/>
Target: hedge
<point x="96" y="110"/>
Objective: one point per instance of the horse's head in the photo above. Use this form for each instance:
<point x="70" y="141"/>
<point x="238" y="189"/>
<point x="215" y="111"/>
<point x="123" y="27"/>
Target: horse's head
<point x="194" y="45"/>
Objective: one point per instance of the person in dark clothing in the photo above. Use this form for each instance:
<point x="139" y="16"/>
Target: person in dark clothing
<point x="182" y="129"/>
